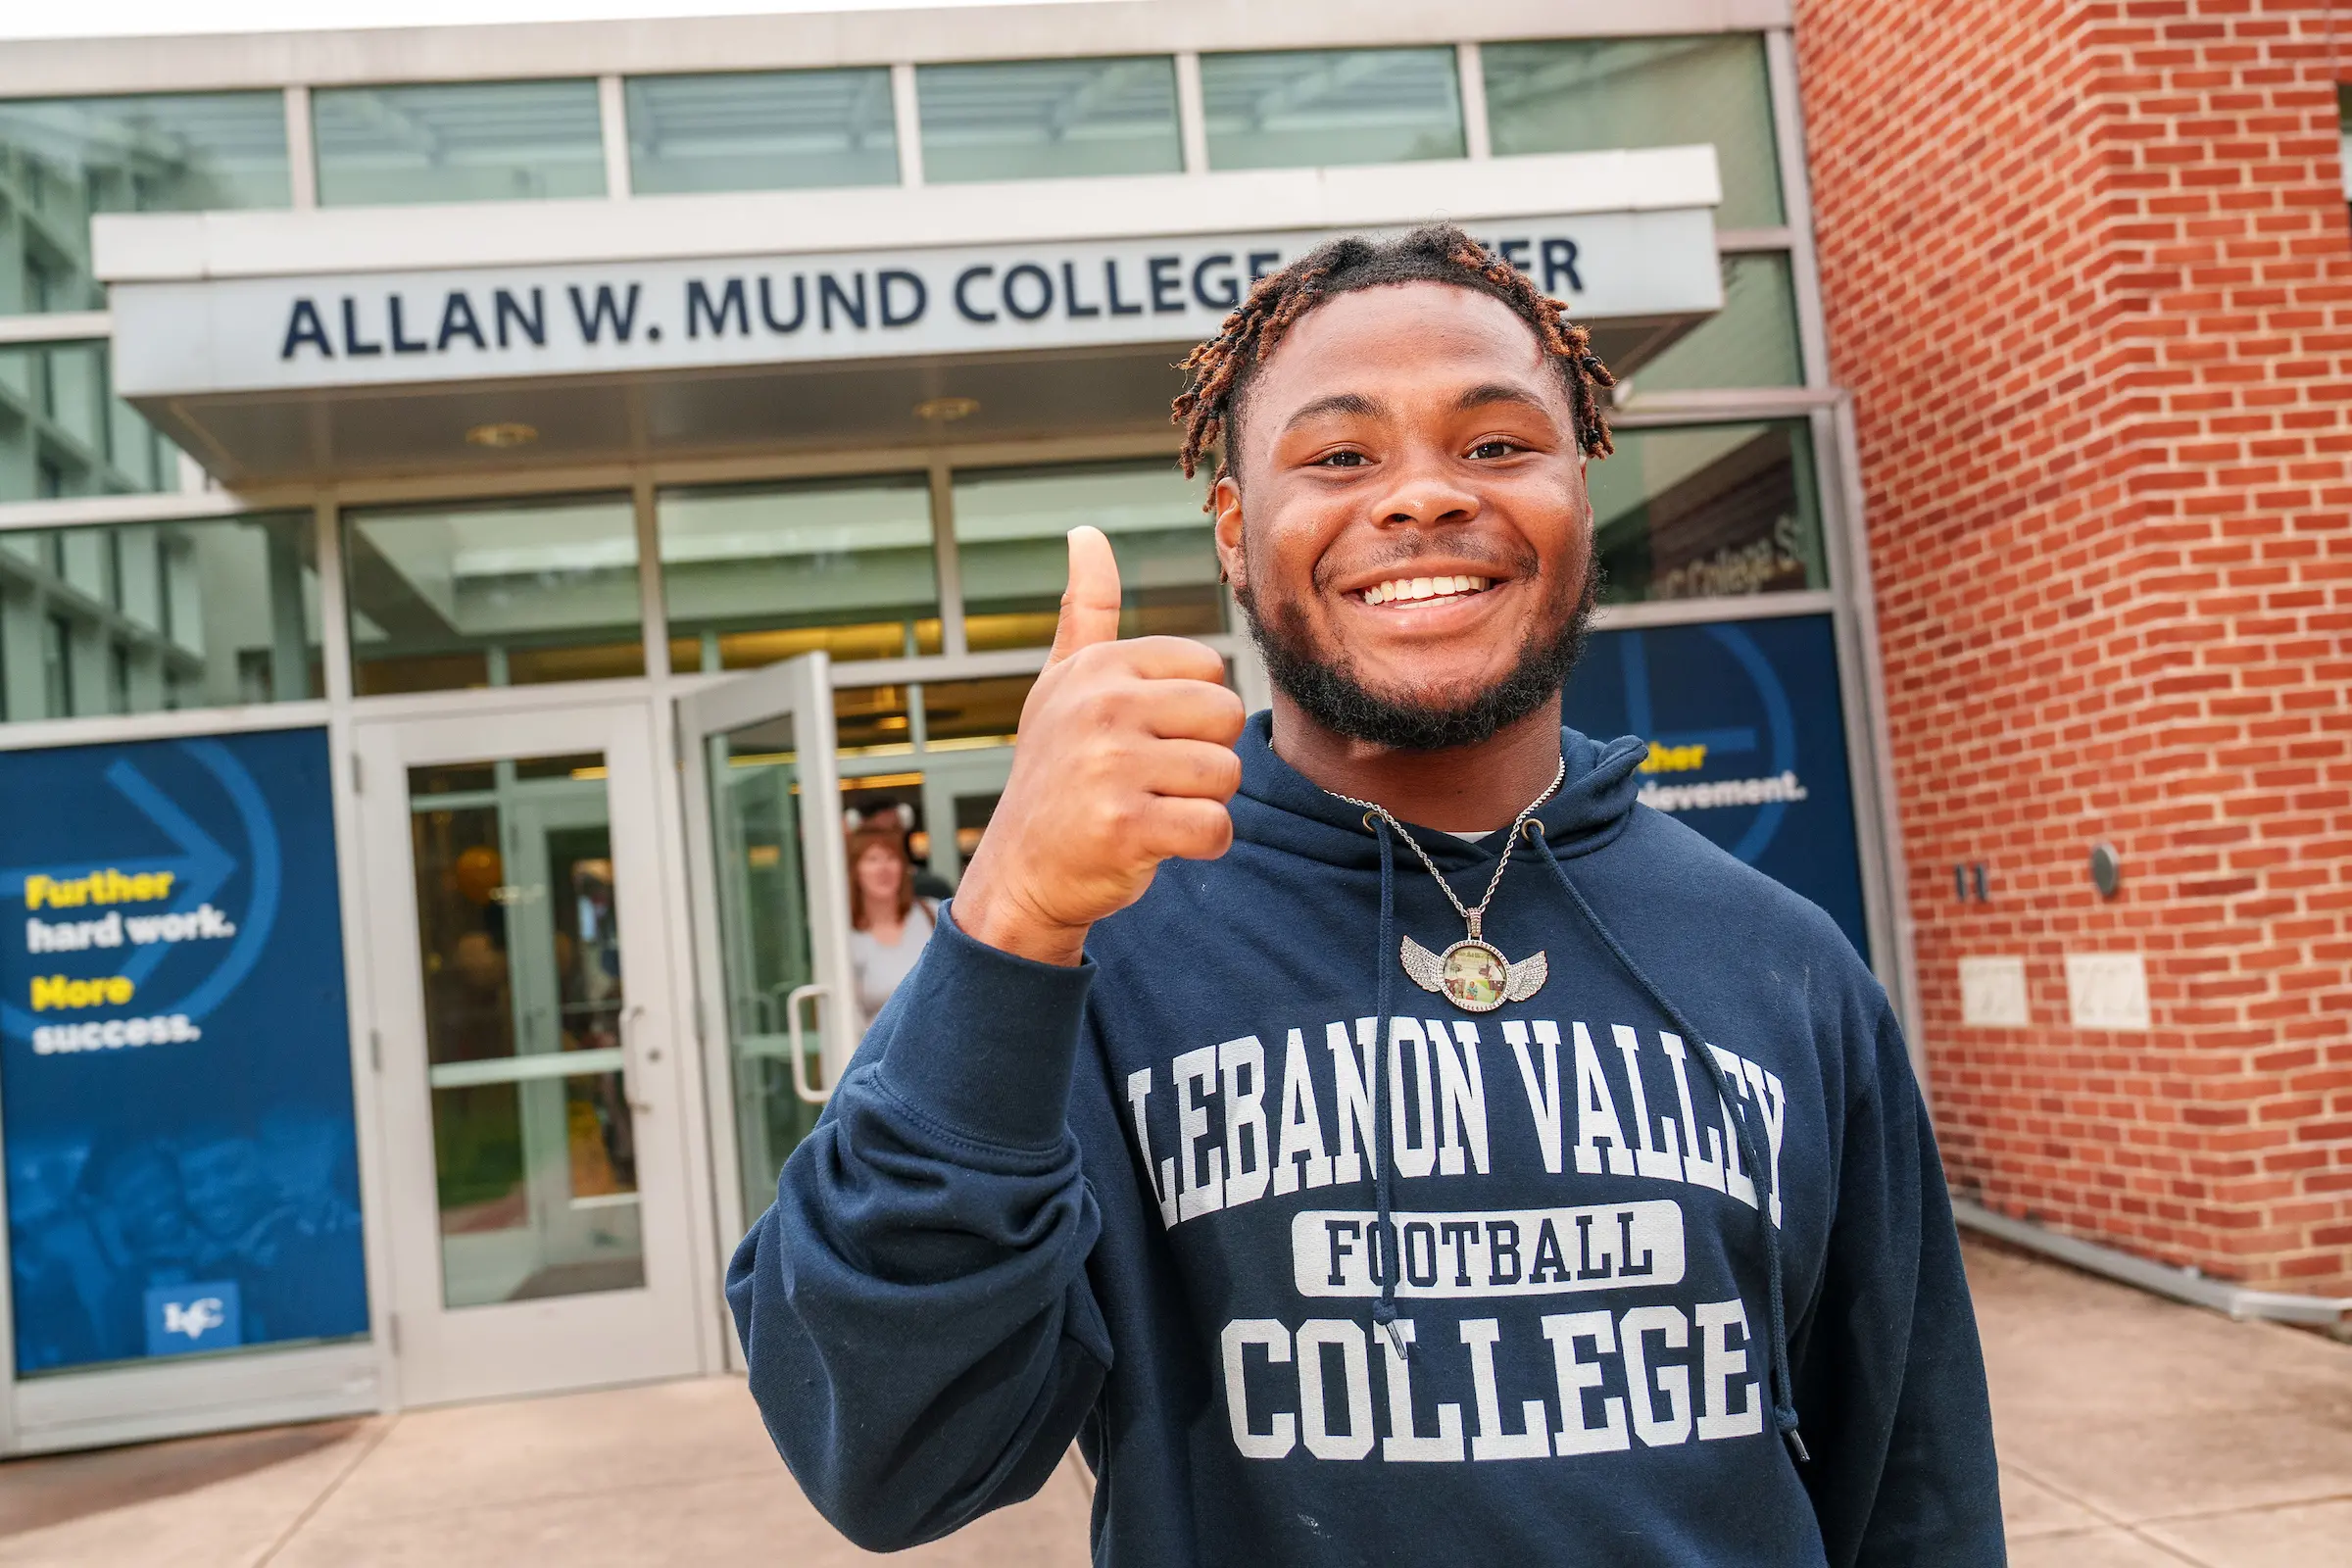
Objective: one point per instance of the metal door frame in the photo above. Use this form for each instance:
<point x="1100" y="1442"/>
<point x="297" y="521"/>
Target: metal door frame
<point x="513" y="1348"/>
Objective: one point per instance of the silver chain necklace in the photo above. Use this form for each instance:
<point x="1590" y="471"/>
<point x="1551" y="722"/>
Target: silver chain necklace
<point x="1472" y="974"/>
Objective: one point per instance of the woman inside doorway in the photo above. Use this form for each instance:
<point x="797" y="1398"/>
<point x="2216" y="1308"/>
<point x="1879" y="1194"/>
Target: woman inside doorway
<point x="889" y="924"/>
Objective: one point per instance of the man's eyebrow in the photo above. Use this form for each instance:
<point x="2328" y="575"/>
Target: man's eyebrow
<point x="1478" y="397"/>
<point x="1354" y="403"/>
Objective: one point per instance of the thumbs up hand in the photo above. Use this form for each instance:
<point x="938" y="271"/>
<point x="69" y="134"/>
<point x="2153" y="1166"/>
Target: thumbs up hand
<point x="1125" y="758"/>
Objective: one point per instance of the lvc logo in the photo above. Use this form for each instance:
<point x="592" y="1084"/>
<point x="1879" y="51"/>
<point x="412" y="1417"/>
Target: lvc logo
<point x="200" y="1316"/>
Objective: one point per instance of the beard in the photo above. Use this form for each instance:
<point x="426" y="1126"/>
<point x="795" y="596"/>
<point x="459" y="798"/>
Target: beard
<point x="1328" y="690"/>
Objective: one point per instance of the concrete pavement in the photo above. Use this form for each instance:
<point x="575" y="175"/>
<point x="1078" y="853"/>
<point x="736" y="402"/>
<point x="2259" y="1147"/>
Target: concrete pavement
<point x="2137" y="1432"/>
<point x="2133" y="1432"/>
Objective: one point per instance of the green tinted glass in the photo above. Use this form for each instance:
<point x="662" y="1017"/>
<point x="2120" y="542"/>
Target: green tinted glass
<point x="493" y="595"/>
<point x="462" y="142"/>
<point x="1708" y="512"/>
<point x="139" y="618"/>
<point x="62" y="432"/>
<point x="756" y="574"/>
<point x="64" y="159"/>
<point x="1752" y="341"/>
<point x="1010" y="530"/>
<point x="761" y="130"/>
<point x="1305" y="108"/>
<point x="1599" y="95"/>
<point x="1049" y="119"/>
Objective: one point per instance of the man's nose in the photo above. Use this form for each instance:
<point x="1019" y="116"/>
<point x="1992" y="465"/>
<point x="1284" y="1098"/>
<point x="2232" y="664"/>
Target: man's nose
<point x="1425" y="495"/>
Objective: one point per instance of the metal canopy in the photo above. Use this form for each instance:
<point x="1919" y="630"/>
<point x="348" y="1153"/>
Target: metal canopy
<point x="252" y="439"/>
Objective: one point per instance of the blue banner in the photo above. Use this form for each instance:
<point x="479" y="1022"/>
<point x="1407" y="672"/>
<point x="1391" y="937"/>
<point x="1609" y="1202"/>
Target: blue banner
<point x="174" y="1051"/>
<point x="1747" y="744"/>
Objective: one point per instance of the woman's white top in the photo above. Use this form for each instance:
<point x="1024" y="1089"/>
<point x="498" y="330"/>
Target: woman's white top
<point x="880" y="966"/>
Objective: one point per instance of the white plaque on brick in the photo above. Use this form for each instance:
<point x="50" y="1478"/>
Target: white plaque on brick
<point x="1993" y="993"/>
<point x="2107" y="990"/>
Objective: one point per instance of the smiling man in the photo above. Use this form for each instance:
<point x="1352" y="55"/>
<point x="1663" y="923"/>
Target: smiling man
<point x="1372" y="1135"/>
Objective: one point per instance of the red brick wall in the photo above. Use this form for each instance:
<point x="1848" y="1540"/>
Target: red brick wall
<point x="2088" y="271"/>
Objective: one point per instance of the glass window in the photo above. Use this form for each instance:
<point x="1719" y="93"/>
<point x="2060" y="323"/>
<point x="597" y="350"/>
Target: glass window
<point x="62" y="432"/>
<point x="139" y="618"/>
<point x="960" y="715"/>
<point x="1598" y="94"/>
<point x="493" y="595"/>
<point x="1708" y="512"/>
<point x="536" y="1161"/>
<point x="761" y="130"/>
<point x="957" y="715"/>
<point x="1049" y="119"/>
<point x="752" y="574"/>
<point x="1301" y="109"/>
<point x="489" y="141"/>
<point x="1010" y="530"/>
<point x="64" y="159"/>
<point x="1750" y="342"/>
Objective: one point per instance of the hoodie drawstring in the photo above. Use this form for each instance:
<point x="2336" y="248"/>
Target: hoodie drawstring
<point x="1383" y="1307"/>
<point x="1783" y="1392"/>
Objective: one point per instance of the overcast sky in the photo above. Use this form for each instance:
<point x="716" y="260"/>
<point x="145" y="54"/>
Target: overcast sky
<point x="116" y="18"/>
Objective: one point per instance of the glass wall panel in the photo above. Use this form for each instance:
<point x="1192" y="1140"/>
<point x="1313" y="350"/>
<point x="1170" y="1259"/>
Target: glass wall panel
<point x="64" y="159"/>
<point x="137" y="617"/>
<point x="536" y="1169"/>
<point x="491" y="141"/>
<point x="1599" y="95"/>
<point x="971" y="713"/>
<point x="763" y="942"/>
<point x="957" y="715"/>
<point x="509" y="594"/>
<point x="761" y="130"/>
<point x="752" y="574"/>
<point x="1009" y="531"/>
<point x="1049" y="119"/>
<point x="62" y="432"/>
<point x="1305" y="108"/>
<point x="1752" y="341"/>
<point x="1708" y="512"/>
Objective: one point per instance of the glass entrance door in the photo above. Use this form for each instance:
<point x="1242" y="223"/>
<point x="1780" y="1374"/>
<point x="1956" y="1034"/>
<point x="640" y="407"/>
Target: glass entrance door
<point x="541" y="1228"/>
<point x="772" y="918"/>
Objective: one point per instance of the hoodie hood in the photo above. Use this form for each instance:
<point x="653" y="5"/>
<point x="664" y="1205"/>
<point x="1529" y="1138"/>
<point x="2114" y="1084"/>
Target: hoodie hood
<point x="1284" y="810"/>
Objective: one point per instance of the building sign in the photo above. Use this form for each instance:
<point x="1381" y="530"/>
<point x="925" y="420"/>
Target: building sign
<point x="1746" y="744"/>
<point x="276" y="333"/>
<point x="175" y="1055"/>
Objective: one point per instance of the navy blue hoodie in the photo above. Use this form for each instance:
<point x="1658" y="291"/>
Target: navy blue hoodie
<point x="1624" y="1279"/>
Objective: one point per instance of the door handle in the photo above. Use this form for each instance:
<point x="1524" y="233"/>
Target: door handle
<point x="800" y="1056"/>
<point x="628" y="1059"/>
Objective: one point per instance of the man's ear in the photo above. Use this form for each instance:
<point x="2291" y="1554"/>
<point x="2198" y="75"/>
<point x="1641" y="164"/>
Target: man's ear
<point x="1226" y="499"/>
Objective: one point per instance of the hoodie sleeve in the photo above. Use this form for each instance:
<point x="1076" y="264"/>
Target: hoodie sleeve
<point x="1890" y="1375"/>
<point x="914" y="1307"/>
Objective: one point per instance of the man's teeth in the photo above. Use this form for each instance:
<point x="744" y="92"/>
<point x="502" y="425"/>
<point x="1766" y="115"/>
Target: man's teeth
<point x="1397" y="588"/>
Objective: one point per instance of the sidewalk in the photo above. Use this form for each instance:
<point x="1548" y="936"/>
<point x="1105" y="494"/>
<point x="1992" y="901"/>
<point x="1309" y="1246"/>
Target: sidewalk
<point x="2137" y="1432"/>
<point x="2133" y="1432"/>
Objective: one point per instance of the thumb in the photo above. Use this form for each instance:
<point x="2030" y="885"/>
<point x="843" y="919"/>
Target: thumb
<point x="1090" y="605"/>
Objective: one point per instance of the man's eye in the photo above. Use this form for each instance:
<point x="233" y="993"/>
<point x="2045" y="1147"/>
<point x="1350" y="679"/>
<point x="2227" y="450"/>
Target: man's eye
<point x="1496" y="448"/>
<point x="1340" y="459"/>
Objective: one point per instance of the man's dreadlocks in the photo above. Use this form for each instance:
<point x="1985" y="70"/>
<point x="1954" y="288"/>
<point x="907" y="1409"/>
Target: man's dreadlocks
<point x="1218" y="374"/>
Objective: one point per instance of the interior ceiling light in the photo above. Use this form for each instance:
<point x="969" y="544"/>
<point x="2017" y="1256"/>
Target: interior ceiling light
<point x="947" y="410"/>
<point x="501" y="435"/>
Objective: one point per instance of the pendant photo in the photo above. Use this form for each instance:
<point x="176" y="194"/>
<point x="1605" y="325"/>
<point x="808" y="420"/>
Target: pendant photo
<point x="1474" y="976"/>
<point x="1477" y="978"/>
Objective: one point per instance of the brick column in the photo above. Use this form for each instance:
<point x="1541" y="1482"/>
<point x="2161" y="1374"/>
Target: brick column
<point x="2088" y="274"/>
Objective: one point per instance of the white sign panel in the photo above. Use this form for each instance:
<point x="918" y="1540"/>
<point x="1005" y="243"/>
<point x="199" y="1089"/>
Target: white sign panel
<point x="374" y="329"/>
<point x="2107" y="990"/>
<point x="1993" y="993"/>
